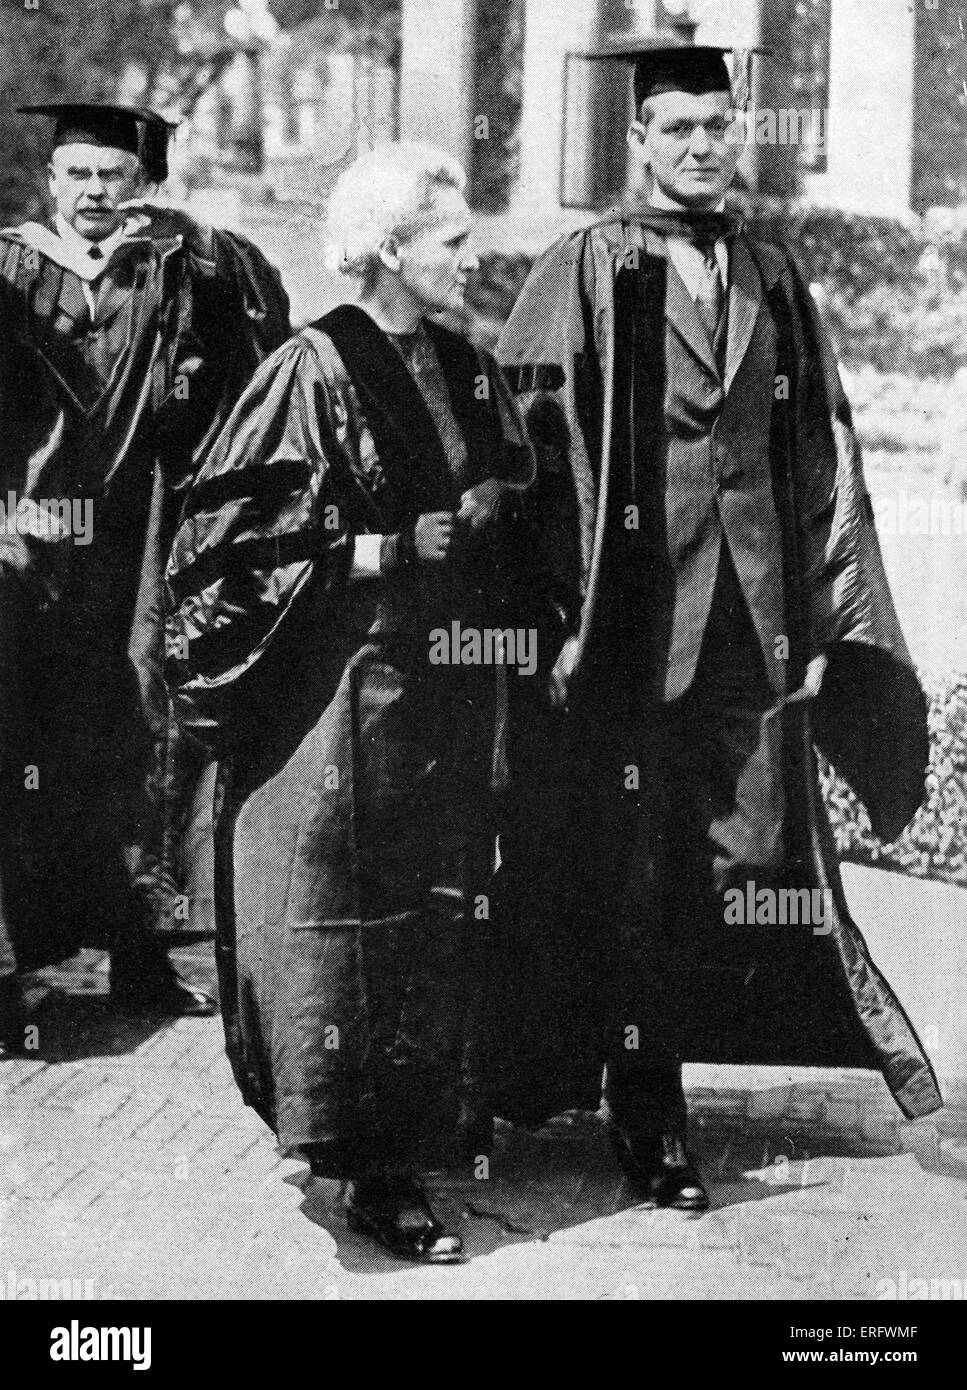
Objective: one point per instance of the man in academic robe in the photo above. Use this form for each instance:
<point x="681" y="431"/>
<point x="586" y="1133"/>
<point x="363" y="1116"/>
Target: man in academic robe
<point x="129" y="331"/>
<point x="702" y="505"/>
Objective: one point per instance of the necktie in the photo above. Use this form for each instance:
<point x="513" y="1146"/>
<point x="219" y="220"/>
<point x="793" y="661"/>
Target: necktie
<point x="73" y="302"/>
<point x="96" y="254"/>
<point x="710" y="300"/>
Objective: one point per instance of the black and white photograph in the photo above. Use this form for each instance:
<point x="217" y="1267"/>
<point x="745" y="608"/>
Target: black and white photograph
<point x="483" y="662"/>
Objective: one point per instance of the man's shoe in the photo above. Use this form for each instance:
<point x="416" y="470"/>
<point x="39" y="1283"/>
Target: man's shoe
<point x="660" y="1172"/>
<point x="164" y="996"/>
<point x="395" y="1213"/>
<point x="678" y="1185"/>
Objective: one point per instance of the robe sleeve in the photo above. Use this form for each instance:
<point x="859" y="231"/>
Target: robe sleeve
<point x="259" y="524"/>
<point x="523" y="574"/>
<point x="516" y="468"/>
<point x="548" y="355"/>
<point x="226" y="314"/>
<point x="849" y="596"/>
<point x="870" y="718"/>
<point x="238" y="285"/>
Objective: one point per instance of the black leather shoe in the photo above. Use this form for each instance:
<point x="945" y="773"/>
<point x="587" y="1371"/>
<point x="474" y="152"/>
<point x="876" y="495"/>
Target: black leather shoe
<point x="395" y="1213"/>
<point x="167" y="996"/>
<point x="660" y="1172"/>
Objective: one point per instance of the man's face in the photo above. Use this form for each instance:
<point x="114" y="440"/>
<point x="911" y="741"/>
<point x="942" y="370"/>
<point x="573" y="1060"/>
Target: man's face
<point x="691" y="145"/>
<point x="88" y="182"/>
<point x="435" y="263"/>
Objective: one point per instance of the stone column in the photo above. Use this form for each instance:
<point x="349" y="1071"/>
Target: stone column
<point x="553" y="28"/>
<point x="870" y="130"/>
<point x="742" y="24"/>
<point x="243" y="84"/>
<point x="437" y="74"/>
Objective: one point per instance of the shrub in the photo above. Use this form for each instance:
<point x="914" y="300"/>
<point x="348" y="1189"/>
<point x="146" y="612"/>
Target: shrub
<point x="894" y="294"/>
<point x="493" y="293"/>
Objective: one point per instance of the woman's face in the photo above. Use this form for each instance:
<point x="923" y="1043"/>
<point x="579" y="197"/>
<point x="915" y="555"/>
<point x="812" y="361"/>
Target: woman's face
<point x="435" y="263"/>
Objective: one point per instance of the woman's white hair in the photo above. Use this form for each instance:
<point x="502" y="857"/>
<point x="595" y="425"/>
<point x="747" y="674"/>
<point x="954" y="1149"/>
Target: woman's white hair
<point x="389" y="192"/>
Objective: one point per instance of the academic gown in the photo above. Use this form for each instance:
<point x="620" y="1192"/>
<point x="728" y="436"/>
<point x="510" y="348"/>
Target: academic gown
<point x="356" y="832"/>
<point x="109" y="414"/>
<point x="804" y="999"/>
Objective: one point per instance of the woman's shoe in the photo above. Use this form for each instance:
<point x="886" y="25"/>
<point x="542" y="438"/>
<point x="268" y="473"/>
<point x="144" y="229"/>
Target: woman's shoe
<point x="13" y="1013"/>
<point x="395" y="1212"/>
<point x="21" y="1007"/>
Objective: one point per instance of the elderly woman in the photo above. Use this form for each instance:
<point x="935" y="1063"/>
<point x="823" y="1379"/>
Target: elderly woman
<point x="362" y="498"/>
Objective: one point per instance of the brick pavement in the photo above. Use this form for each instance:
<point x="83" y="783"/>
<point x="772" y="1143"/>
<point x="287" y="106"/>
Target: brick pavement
<point x="127" y="1158"/>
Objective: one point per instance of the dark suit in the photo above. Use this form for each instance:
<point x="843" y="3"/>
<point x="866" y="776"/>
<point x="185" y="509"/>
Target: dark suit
<point x="697" y="590"/>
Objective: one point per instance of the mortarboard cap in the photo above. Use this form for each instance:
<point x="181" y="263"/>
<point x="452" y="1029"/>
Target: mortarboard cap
<point x="132" y="128"/>
<point x="670" y="65"/>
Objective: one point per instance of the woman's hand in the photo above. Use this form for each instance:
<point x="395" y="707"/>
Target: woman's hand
<point x="433" y="536"/>
<point x="479" y="504"/>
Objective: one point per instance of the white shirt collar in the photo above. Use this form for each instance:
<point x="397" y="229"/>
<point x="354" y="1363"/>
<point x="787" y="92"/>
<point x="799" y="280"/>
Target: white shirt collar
<point x="81" y="245"/>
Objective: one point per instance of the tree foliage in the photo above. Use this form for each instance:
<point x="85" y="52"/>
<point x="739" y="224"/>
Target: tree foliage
<point x="368" y="28"/>
<point x="164" y="51"/>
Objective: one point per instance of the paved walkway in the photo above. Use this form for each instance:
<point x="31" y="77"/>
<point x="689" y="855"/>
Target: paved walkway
<point x="127" y="1159"/>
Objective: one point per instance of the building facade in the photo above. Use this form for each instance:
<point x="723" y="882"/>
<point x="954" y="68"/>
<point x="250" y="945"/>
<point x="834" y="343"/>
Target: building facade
<point x="840" y="111"/>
